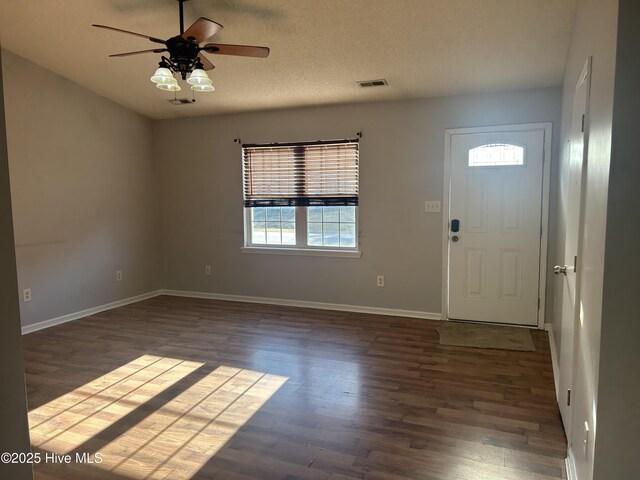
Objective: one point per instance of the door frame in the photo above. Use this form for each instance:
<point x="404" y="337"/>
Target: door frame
<point x="545" y="127"/>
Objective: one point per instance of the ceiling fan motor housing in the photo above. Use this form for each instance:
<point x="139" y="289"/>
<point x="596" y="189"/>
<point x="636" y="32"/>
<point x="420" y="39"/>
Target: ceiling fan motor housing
<point x="183" y="54"/>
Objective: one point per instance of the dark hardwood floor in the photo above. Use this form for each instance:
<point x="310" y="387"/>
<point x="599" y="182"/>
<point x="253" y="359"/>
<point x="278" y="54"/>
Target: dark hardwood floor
<point x="174" y="388"/>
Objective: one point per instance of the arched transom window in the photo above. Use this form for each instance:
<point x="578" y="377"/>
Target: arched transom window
<point x="496" y="155"/>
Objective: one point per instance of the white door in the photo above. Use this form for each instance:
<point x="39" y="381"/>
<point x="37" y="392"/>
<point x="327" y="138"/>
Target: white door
<point x="495" y="217"/>
<point x="571" y="198"/>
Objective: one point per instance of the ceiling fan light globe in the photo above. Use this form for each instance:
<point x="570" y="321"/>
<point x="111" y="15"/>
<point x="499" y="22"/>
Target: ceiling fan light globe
<point x="169" y="87"/>
<point x="199" y="81"/>
<point x="199" y="77"/>
<point x="203" y="88"/>
<point x="162" y="74"/>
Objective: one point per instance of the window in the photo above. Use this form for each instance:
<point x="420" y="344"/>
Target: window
<point x="301" y="195"/>
<point x="496" y="155"/>
<point x="273" y="226"/>
<point x="331" y="226"/>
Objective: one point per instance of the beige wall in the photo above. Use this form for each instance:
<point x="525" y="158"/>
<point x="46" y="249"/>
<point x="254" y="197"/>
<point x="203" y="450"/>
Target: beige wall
<point x="84" y="198"/>
<point x="401" y="166"/>
<point x="594" y="35"/>
<point x="14" y="430"/>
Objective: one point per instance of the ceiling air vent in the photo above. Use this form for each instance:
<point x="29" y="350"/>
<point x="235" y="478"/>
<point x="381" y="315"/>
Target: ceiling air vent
<point x="373" y="83"/>
<point x="180" y="101"/>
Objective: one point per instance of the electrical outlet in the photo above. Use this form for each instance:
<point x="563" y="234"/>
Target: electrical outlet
<point x="26" y="295"/>
<point x="432" y="206"/>
<point x="119" y="276"/>
<point x="380" y="280"/>
<point x="207" y="269"/>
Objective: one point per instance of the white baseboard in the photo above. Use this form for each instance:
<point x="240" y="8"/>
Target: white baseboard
<point x="233" y="298"/>
<point x="554" y="358"/>
<point x="89" y="311"/>
<point x="570" y="463"/>
<point x="307" y="304"/>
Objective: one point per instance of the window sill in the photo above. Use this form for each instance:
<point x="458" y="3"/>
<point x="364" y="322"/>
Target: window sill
<point x="312" y="252"/>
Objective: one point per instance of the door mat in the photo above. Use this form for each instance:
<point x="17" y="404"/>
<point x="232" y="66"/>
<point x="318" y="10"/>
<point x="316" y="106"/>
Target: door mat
<point x="486" y="336"/>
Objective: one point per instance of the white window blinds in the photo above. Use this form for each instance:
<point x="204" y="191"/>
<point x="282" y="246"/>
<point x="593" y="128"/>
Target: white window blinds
<point x="301" y="174"/>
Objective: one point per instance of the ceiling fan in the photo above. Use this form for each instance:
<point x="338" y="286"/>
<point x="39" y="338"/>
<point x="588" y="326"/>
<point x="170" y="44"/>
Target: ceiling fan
<point x="185" y="55"/>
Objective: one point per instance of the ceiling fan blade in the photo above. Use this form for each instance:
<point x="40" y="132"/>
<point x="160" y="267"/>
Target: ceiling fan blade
<point x="153" y="50"/>
<point x="240" y="50"/>
<point x="206" y="63"/>
<point x="202" y="29"/>
<point x="153" y="39"/>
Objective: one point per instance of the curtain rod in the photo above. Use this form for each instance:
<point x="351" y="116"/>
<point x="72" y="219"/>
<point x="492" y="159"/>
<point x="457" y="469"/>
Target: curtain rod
<point x="298" y="144"/>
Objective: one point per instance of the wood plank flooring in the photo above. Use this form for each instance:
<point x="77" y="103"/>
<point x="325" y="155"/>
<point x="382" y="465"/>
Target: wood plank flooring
<point x="175" y="388"/>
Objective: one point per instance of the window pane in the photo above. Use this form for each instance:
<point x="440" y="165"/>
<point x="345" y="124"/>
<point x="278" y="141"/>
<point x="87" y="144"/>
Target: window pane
<point x="258" y="214"/>
<point x="273" y="233"/>
<point x="258" y="233"/>
<point x="288" y="233"/>
<point x="331" y="235"/>
<point x="347" y="235"/>
<point x="314" y="234"/>
<point x="496" y="155"/>
<point x="331" y="226"/>
<point x="314" y="214"/>
<point x="330" y="214"/>
<point x="348" y="214"/>
<point x="288" y="214"/>
<point x="273" y="214"/>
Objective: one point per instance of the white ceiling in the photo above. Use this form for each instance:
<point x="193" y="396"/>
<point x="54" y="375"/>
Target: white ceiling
<point x="319" y="48"/>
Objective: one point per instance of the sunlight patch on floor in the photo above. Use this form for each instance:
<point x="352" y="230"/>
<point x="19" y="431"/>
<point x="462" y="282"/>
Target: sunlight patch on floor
<point x="70" y="420"/>
<point x="173" y="441"/>
<point x="177" y="440"/>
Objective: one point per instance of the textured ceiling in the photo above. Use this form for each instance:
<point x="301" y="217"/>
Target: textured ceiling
<point x="319" y="48"/>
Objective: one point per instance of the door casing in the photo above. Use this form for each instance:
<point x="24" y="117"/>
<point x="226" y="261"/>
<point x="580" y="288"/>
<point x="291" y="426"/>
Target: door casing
<point x="546" y="127"/>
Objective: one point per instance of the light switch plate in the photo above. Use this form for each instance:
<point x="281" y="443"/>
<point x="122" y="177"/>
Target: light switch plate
<point x="432" y="206"/>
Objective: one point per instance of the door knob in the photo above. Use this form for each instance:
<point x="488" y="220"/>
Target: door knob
<point x="454" y="238"/>
<point x="560" y="269"/>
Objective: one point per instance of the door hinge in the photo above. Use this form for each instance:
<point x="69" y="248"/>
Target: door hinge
<point x="569" y="397"/>
<point x="582" y="127"/>
<point x="575" y="264"/>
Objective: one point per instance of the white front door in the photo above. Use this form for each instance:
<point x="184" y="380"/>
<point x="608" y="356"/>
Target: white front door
<point x="495" y="218"/>
<point x="572" y="206"/>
